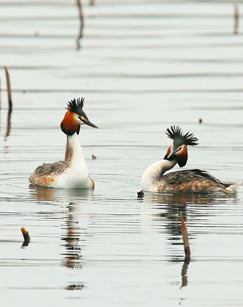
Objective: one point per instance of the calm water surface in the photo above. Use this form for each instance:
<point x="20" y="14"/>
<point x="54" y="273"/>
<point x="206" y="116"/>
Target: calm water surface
<point x="142" y="66"/>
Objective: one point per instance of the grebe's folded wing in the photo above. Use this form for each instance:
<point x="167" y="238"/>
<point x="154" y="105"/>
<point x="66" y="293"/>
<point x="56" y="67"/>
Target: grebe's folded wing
<point x="45" y="174"/>
<point x="186" y="176"/>
<point x="50" y="168"/>
<point x="206" y="176"/>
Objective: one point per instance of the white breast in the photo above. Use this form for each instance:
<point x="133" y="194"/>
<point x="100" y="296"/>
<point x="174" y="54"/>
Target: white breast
<point x="73" y="177"/>
<point x="76" y="174"/>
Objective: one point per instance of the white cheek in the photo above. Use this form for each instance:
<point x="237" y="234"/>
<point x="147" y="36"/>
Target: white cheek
<point x="78" y="120"/>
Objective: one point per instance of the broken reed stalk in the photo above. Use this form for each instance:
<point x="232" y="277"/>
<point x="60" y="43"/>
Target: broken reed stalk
<point x="185" y="237"/>
<point x="26" y="236"/>
<point x="10" y="104"/>
<point x="81" y="19"/>
<point x="236" y="30"/>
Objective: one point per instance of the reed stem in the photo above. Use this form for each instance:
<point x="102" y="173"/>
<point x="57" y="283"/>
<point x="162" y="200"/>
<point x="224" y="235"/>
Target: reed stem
<point x="185" y="237"/>
<point x="81" y="20"/>
<point x="237" y="15"/>
<point x="10" y="104"/>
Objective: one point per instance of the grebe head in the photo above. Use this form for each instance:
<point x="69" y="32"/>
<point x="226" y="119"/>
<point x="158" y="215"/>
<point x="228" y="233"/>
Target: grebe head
<point x="75" y="117"/>
<point x="178" y="150"/>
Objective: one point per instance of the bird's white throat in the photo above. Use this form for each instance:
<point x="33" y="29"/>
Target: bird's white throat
<point x="154" y="172"/>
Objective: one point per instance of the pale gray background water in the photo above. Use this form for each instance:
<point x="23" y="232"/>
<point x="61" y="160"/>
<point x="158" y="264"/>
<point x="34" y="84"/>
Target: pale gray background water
<point x="142" y="66"/>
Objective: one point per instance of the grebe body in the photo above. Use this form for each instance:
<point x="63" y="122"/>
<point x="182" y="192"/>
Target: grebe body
<point x="73" y="172"/>
<point x="193" y="181"/>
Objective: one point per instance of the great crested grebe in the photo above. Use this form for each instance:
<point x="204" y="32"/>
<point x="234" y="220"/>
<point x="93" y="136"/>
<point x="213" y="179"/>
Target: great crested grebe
<point x="73" y="172"/>
<point x="186" y="181"/>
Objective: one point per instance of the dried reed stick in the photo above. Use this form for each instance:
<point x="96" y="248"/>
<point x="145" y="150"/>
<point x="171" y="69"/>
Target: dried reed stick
<point x="81" y="19"/>
<point x="10" y="104"/>
<point x="185" y="237"/>
<point x="237" y="15"/>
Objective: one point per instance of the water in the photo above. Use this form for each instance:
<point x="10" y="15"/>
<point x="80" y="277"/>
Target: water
<point x="142" y="66"/>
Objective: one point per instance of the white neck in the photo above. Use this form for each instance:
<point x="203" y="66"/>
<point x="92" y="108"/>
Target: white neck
<point x="166" y="165"/>
<point x="75" y="153"/>
<point x="154" y="172"/>
<point x="76" y="173"/>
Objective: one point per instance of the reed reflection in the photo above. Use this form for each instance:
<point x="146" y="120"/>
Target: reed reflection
<point x="8" y="128"/>
<point x="168" y="215"/>
<point x="184" y="270"/>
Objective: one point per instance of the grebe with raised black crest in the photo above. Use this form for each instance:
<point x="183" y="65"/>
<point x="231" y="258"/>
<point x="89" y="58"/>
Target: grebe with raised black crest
<point x="73" y="172"/>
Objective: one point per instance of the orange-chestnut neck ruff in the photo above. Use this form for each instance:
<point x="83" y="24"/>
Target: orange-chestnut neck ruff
<point x="182" y="157"/>
<point x="70" y="124"/>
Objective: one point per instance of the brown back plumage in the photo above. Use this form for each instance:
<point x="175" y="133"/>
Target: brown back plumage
<point x="191" y="181"/>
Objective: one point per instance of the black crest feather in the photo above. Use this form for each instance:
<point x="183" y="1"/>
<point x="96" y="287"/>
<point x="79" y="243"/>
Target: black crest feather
<point x="76" y="105"/>
<point x="175" y="133"/>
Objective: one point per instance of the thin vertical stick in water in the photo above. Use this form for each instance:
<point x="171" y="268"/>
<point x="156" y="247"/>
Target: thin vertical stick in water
<point x="185" y="237"/>
<point x="81" y="20"/>
<point x="10" y="104"/>
<point x="237" y="15"/>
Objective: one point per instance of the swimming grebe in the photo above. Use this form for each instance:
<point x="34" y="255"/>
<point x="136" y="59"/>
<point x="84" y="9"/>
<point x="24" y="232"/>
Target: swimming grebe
<point x="73" y="172"/>
<point x="186" y="181"/>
